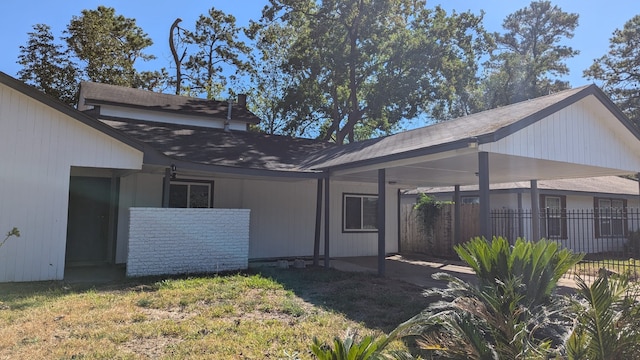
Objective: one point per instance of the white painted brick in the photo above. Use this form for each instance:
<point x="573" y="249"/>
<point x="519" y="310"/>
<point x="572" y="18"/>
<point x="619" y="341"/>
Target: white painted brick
<point x="172" y="241"/>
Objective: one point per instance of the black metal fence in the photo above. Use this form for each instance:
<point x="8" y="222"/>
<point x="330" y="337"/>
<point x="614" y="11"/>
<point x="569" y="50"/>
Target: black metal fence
<point x="609" y="237"/>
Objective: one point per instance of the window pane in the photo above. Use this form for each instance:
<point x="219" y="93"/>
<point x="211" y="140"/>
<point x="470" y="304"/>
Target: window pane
<point x="352" y="213"/>
<point x="471" y="200"/>
<point x="554" y="227"/>
<point x="178" y="195"/>
<point x="552" y="203"/>
<point x="617" y="204"/>
<point x="617" y="227"/>
<point x="199" y="196"/>
<point x="605" y="227"/>
<point x="370" y="213"/>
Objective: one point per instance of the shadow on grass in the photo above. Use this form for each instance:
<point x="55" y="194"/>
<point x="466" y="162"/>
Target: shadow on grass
<point x="377" y="303"/>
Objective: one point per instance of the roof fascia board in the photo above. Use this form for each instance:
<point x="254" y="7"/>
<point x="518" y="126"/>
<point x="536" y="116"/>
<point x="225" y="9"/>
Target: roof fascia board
<point x="153" y="157"/>
<point x="391" y="160"/>
<point x="613" y="108"/>
<point x="406" y="161"/>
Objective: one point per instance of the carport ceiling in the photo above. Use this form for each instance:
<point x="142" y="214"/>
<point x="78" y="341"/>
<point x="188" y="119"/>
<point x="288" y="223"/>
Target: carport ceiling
<point x="462" y="170"/>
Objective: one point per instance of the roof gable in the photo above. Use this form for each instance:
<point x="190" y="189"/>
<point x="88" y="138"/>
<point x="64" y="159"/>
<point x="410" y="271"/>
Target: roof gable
<point x="53" y="103"/>
<point x="95" y="94"/>
<point x="483" y="127"/>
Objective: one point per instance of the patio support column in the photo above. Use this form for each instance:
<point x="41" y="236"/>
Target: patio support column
<point x="166" y="185"/>
<point x="535" y="211"/>
<point x="113" y="212"/>
<point x="326" y="221"/>
<point x="520" y="219"/>
<point x="485" y="206"/>
<point x="381" y="220"/>
<point x="457" y="202"/>
<point x="399" y="214"/>
<point x="316" y="239"/>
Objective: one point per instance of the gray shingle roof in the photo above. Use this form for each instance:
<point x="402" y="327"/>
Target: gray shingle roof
<point x="248" y="150"/>
<point x="211" y="146"/>
<point x="104" y="94"/>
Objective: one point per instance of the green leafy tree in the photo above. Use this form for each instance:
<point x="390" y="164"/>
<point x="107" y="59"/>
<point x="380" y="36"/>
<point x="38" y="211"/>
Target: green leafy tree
<point x="361" y="66"/>
<point x="619" y="69"/>
<point x="108" y="45"/>
<point x="529" y="57"/>
<point x="271" y="44"/>
<point x="218" y="51"/>
<point x="47" y="65"/>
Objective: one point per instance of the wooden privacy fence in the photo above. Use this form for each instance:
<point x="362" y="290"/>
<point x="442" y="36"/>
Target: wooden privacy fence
<point x="440" y="240"/>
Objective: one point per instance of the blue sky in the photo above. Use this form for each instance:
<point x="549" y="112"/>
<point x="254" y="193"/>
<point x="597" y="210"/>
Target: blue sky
<point x="598" y="19"/>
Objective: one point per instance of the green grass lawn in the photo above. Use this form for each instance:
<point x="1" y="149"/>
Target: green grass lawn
<point x="266" y="314"/>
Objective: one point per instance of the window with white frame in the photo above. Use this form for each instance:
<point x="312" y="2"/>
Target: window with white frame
<point x="191" y="194"/>
<point x="554" y="222"/>
<point x="610" y="217"/>
<point x="359" y="213"/>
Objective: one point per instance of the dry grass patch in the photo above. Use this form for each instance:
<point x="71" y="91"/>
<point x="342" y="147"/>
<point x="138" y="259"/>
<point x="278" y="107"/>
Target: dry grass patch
<point x="269" y="314"/>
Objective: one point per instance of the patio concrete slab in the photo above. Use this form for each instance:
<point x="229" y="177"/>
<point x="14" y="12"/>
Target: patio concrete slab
<point x="418" y="269"/>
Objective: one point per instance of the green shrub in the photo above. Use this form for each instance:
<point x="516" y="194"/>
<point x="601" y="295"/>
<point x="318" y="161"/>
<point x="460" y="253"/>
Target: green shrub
<point x="428" y="210"/>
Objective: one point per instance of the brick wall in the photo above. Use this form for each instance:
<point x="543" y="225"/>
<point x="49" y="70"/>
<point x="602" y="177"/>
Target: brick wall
<point x="179" y="241"/>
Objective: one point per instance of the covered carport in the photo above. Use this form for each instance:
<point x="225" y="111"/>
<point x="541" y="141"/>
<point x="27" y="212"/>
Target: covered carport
<point x="571" y="134"/>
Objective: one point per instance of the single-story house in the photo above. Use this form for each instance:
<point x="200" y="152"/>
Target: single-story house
<point x="594" y="214"/>
<point x="165" y="183"/>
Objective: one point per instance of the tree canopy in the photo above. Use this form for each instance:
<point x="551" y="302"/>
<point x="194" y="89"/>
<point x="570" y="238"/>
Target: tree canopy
<point x="361" y="66"/>
<point x="530" y="55"/>
<point x="109" y="46"/>
<point x="215" y="39"/>
<point x="619" y="69"/>
<point x="47" y="66"/>
<point x="338" y="70"/>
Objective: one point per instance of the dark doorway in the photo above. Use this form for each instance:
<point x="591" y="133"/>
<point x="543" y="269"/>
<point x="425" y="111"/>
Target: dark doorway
<point x="88" y="222"/>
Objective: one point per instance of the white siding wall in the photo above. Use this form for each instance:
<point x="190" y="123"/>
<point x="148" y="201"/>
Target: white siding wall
<point x="136" y="190"/>
<point x="283" y="214"/>
<point x="129" y="113"/>
<point x="282" y="217"/>
<point x="576" y="135"/>
<point x="182" y="241"/>
<point x="361" y="244"/>
<point x="38" y="146"/>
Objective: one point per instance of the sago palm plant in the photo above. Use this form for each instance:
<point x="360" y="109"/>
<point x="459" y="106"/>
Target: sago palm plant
<point x="607" y="321"/>
<point x="512" y="311"/>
